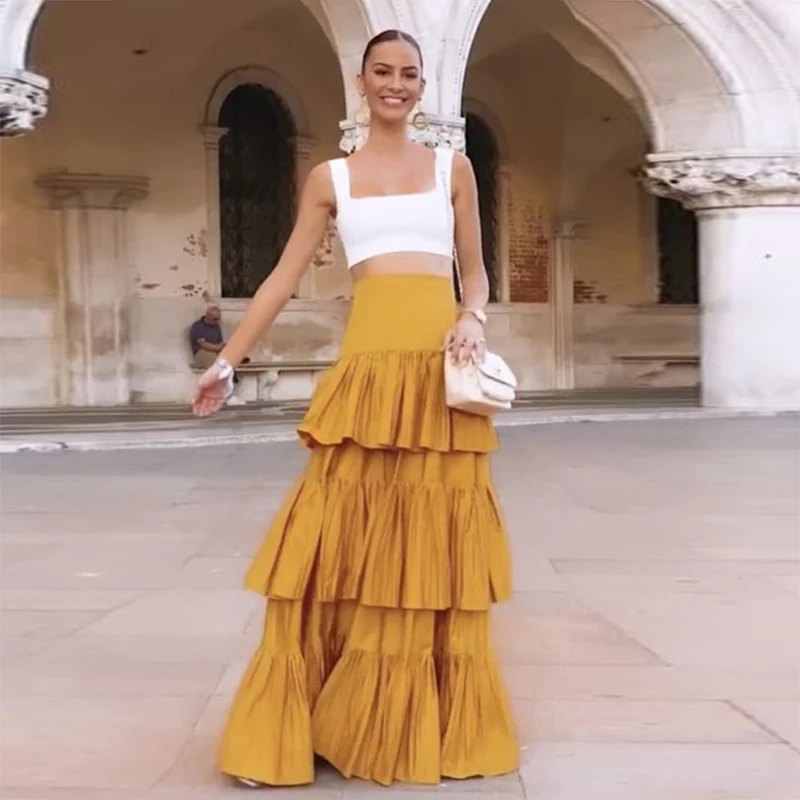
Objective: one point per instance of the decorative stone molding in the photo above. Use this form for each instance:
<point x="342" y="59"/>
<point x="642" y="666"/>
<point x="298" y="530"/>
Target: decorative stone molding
<point x="89" y="190"/>
<point x="441" y="132"/>
<point x="23" y="101"/>
<point x="700" y="182"/>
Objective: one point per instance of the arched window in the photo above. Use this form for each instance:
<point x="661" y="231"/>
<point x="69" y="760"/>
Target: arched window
<point x="257" y="186"/>
<point x="483" y="152"/>
<point x="677" y="254"/>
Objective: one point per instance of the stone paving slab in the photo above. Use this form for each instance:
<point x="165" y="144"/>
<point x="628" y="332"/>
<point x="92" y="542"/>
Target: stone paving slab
<point x="651" y="649"/>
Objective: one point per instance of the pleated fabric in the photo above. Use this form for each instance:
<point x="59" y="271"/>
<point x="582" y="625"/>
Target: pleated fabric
<point x="380" y="570"/>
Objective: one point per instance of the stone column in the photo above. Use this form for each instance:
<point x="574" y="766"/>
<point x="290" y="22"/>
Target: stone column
<point x="503" y="255"/>
<point x="211" y="138"/>
<point x="305" y="145"/>
<point x="93" y="285"/>
<point x="748" y="210"/>
<point x="23" y="101"/>
<point x="441" y="132"/>
<point x="567" y="230"/>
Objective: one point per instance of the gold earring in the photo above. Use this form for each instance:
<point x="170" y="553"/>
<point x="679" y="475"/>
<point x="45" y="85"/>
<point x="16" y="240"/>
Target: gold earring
<point x="362" y="115"/>
<point x="420" y="119"/>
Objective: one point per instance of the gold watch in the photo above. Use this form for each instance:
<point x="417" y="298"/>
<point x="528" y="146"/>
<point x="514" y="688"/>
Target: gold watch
<point x="478" y="313"/>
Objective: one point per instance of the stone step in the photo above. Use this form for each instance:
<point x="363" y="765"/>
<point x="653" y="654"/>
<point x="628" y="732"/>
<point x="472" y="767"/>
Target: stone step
<point x="162" y="416"/>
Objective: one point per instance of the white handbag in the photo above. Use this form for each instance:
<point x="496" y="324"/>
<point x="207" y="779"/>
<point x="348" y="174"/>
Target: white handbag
<point x="479" y="388"/>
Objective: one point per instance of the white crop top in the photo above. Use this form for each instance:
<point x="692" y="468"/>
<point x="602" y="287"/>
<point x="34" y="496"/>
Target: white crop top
<point x="421" y="222"/>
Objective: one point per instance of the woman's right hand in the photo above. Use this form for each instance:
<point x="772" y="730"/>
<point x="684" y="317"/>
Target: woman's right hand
<point x="213" y="390"/>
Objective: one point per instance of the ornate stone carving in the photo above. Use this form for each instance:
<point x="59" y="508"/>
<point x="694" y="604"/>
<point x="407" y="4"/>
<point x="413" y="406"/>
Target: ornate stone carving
<point x="441" y="132"/>
<point x="23" y="101"/>
<point x="725" y="181"/>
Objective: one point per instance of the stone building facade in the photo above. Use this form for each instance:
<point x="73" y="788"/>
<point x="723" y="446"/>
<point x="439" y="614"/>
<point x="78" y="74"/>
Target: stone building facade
<point x="638" y="165"/>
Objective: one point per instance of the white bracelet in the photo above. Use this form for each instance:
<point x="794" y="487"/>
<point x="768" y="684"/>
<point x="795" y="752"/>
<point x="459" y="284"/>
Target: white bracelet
<point x="478" y="313"/>
<point x="226" y="374"/>
<point x="225" y="369"/>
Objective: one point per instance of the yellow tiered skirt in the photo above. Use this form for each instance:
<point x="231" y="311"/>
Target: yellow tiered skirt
<point x="380" y="570"/>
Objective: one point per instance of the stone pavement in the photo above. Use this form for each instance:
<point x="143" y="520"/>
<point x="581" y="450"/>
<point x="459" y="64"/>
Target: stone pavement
<point x="651" y="649"/>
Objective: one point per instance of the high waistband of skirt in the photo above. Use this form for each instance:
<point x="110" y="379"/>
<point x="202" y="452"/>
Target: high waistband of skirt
<point x="399" y="311"/>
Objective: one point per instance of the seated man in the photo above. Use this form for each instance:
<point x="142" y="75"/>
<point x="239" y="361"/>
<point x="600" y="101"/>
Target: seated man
<point x="206" y="341"/>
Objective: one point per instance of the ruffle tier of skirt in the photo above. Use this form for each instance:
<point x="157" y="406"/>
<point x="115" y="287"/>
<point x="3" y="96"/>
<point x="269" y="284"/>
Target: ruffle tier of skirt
<point x="392" y="400"/>
<point x="388" y="528"/>
<point x="381" y="694"/>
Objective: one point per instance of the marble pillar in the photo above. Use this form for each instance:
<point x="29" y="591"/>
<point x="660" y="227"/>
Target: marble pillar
<point x="93" y="364"/>
<point x="748" y="210"/>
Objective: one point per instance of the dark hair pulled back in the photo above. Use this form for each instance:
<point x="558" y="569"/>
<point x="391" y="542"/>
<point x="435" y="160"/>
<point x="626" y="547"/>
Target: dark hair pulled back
<point x="391" y="35"/>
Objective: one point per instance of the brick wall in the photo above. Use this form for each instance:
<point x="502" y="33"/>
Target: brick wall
<point x="529" y="253"/>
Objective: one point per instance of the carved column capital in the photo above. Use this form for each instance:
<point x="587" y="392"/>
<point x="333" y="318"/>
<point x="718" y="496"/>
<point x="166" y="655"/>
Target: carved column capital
<point x="81" y="190"/>
<point x="440" y="132"/>
<point x="446" y="132"/>
<point x="700" y="182"/>
<point x="23" y="101"/>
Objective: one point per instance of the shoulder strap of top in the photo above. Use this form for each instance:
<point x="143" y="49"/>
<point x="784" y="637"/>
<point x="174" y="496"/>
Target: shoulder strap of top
<point x="340" y="175"/>
<point x="444" y="167"/>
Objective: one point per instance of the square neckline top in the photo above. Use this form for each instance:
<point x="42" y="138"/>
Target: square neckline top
<point x="412" y="222"/>
<point x="423" y="193"/>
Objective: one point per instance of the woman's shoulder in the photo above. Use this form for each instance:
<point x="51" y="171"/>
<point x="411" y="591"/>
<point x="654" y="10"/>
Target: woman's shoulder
<point x="320" y="181"/>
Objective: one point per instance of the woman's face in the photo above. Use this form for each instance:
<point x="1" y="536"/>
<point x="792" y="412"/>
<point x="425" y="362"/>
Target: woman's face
<point x="392" y="82"/>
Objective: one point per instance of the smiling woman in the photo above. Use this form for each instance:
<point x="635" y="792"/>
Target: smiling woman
<point x="382" y="567"/>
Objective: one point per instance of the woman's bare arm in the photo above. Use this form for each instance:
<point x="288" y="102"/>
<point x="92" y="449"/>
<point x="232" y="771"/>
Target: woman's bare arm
<point x="474" y="281"/>
<point x="467" y="340"/>
<point x="316" y="204"/>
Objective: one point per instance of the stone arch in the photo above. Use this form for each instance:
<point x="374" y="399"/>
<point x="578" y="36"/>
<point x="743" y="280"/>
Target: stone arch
<point x="483" y="110"/>
<point x="723" y="60"/>
<point x="17" y="19"/>
<point x="265" y="77"/>
<point x="257" y="185"/>
<point x="347" y="24"/>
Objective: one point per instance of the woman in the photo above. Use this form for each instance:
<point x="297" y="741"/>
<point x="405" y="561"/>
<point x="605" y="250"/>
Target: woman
<point x="381" y="567"/>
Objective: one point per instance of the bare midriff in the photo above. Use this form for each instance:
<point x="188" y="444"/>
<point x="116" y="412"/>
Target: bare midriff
<point x="404" y="264"/>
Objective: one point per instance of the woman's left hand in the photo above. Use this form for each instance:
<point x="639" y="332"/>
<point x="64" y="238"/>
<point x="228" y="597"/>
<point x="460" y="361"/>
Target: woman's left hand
<point x="465" y="341"/>
<point x="212" y="391"/>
